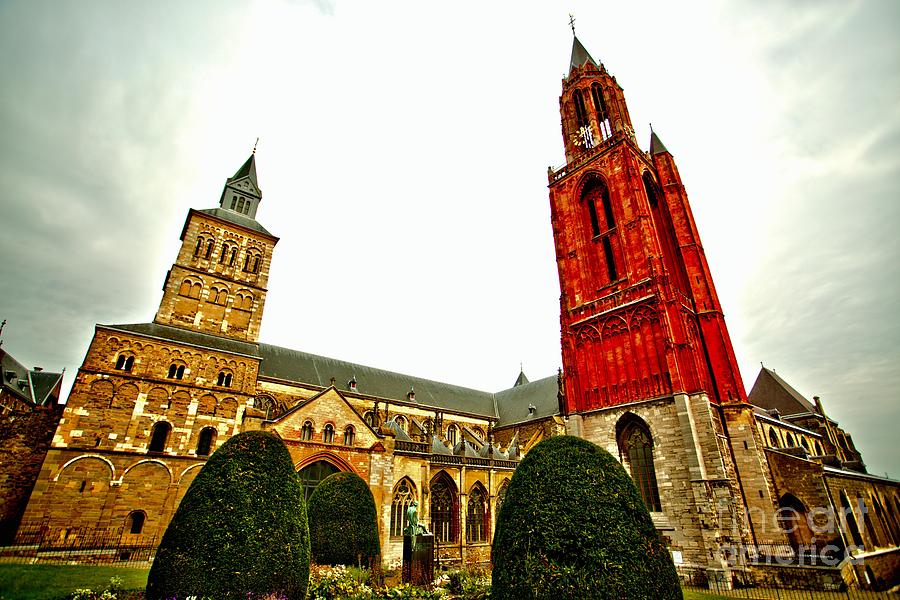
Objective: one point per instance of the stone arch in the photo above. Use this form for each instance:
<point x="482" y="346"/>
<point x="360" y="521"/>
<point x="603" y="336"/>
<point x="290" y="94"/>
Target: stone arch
<point x="334" y="459"/>
<point x="106" y="461"/>
<point x="613" y="326"/>
<point x="227" y="408"/>
<point x="147" y="461"/>
<point x="793" y="519"/>
<point x="207" y="405"/>
<point x="101" y="393"/>
<point x="587" y="333"/>
<point x="158" y="398"/>
<point x="125" y="396"/>
<point x="315" y="471"/>
<point x="189" y="469"/>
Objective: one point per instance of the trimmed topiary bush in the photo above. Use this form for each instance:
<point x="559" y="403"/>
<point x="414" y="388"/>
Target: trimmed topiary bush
<point x="343" y="523"/>
<point x="572" y="525"/>
<point x="240" y="531"/>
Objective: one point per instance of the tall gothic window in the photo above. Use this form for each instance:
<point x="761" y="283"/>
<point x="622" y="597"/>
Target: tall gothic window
<point x="600" y="109"/>
<point x="306" y="432"/>
<point x="452" y="434"/>
<point x="477" y="514"/>
<point x="636" y="447"/>
<point x="312" y="475"/>
<point x="602" y="222"/>
<point x="444" y="509"/>
<point x="773" y="439"/>
<point x="404" y="494"/>
<point x="580" y="111"/>
<point x="849" y="520"/>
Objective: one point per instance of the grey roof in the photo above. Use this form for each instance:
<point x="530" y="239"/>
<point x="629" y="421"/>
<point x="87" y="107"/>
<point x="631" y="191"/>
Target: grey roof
<point x="512" y="404"/>
<point x="294" y="365"/>
<point x="237" y="219"/>
<point x="438" y="447"/>
<point x="34" y="386"/>
<point x="656" y="145"/>
<point x="248" y="169"/>
<point x="580" y="55"/>
<point x="521" y="379"/>
<point x="193" y="338"/>
<point x="772" y="392"/>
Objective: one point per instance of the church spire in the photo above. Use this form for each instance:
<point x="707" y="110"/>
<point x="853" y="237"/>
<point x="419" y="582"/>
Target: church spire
<point x="656" y="145"/>
<point x="242" y="194"/>
<point x="580" y="55"/>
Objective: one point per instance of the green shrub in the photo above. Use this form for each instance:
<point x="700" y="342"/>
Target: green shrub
<point x="240" y="531"/>
<point x="343" y="523"/>
<point x="573" y="525"/>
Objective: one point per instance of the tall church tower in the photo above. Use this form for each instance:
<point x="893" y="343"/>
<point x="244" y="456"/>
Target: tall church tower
<point x="649" y="369"/>
<point x="639" y="313"/>
<point x="218" y="282"/>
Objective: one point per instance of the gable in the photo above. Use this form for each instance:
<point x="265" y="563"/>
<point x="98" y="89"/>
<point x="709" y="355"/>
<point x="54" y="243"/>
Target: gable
<point x="331" y="407"/>
<point x="245" y="185"/>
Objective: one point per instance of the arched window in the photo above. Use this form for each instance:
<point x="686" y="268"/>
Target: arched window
<point x="580" y="111"/>
<point x="452" y="434"/>
<point x="369" y="418"/>
<point x="199" y="246"/>
<point x="479" y="432"/>
<point x="804" y="443"/>
<point x="206" y="441"/>
<point x="501" y="494"/>
<point x="159" y="436"/>
<point x="247" y="302"/>
<point x="209" y="249"/>
<point x="176" y="371"/>
<point x="477" y="515"/>
<point x="849" y="520"/>
<point x="444" y="509"/>
<point x="868" y="522"/>
<point x="818" y="448"/>
<point x="773" y="438"/>
<point x="636" y="447"/>
<point x="241" y="205"/>
<point x="600" y="109"/>
<point x="401" y="422"/>
<point x="792" y="516"/>
<point x="233" y="256"/>
<point x="224" y="253"/>
<point x="124" y="362"/>
<point x="349" y="434"/>
<point x="134" y="522"/>
<point x="233" y="202"/>
<point x="196" y="289"/>
<point x="328" y="434"/>
<point x="255" y="268"/>
<point x="312" y="475"/>
<point x="185" y="289"/>
<point x="247" y="208"/>
<point x="222" y="297"/>
<point x="306" y="432"/>
<point x="224" y="379"/>
<point x="404" y="494"/>
<point x="602" y="222"/>
<point x="789" y="440"/>
<point x="429" y="427"/>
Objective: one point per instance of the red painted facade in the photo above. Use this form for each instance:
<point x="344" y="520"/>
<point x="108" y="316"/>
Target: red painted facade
<point x="639" y="312"/>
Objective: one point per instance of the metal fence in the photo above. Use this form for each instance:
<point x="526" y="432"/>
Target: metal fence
<point x="699" y="581"/>
<point x="79" y="545"/>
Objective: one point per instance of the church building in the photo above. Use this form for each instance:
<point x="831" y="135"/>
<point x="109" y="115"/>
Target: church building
<point x="648" y="373"/>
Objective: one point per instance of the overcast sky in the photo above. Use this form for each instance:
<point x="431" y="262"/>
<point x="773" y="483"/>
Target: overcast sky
<point x="403" y="156"/>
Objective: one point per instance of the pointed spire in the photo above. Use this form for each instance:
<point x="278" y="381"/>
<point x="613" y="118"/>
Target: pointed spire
<point x="580" y="55"/>
<point x="656" y="145"/>
<point x="521" y="379"/>
<point x="248" y="169"/>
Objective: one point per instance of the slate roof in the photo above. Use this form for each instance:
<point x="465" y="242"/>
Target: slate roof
<point x="303" y="367"/>
<point x="192" y="338"/>
<point x="294" y="365"/>
<point x="772" y="392"/>
<point x="512" y="404"/>
<point x="521" y="379"/>
<point x="580" y="55"/>
<point x="237" y="219"/>
<point x="248" y="169"/>
<point x="31" y="385"/>
<point x="656" y="145"/>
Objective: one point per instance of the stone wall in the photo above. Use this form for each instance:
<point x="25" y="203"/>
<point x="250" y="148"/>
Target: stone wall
<point x="25" y="437"/>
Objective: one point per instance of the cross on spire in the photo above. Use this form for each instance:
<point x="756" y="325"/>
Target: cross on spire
<point x="572" y="23"/>
<point x="255" y="144"/>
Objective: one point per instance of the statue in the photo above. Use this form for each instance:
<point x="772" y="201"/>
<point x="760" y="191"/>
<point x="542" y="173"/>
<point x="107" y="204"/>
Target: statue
<point x="413" y="527"/>
<point x="418" y="551"/>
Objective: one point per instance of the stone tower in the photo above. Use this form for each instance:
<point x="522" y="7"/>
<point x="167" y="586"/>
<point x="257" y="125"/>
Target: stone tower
<point x="218" y="282"/>
<point x="649" y="369"/>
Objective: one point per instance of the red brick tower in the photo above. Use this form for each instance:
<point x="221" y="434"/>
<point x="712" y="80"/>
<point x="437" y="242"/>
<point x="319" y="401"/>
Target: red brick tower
<point x="639" y="312"/>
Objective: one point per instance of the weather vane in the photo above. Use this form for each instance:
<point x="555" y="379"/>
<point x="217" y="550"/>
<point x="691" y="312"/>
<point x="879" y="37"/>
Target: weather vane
<point x="572" y="23"/>
<point x="255" y="145"/>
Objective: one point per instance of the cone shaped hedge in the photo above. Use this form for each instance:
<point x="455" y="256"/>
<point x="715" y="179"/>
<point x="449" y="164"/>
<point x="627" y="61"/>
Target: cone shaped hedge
<point x="573" y="525"/>
<point x="343" y="523"/>
<point x="240" y="531"/>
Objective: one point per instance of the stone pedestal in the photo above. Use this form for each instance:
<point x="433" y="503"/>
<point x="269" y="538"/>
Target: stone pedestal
<point x="418" y="562"/>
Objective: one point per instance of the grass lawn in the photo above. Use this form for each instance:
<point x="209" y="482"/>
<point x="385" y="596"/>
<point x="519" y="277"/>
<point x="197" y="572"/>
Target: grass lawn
<point x="51" y="582"/>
